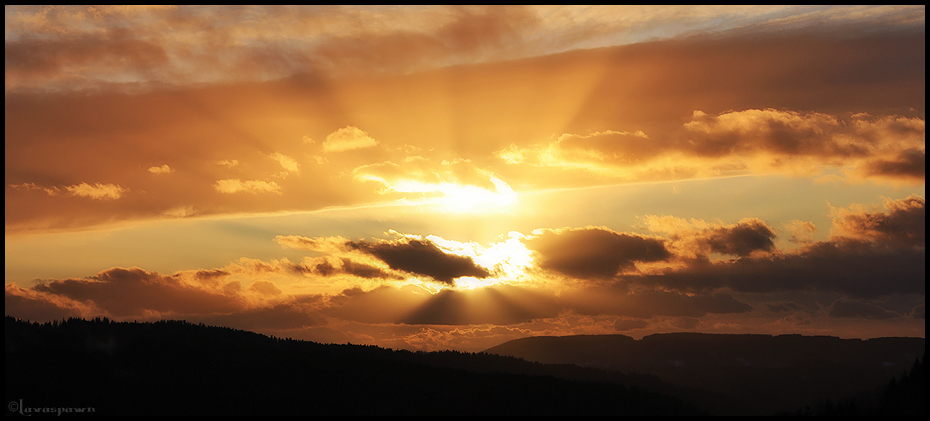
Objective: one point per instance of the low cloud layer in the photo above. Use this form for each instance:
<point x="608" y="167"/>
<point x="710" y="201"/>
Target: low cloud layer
<point x="873" y="265"/>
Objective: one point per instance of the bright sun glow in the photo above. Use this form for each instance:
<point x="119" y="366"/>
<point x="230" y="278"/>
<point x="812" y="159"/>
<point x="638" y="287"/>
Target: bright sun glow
<point x="506" y="260"/>
<point x="459" y="199"/>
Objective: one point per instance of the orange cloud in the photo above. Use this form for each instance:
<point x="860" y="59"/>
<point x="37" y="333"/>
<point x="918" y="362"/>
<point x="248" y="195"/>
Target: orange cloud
<point x="164" y="169"/>
<point x="234" y="185"/>
<point x="97" y="191"/>
<point x="286" y="162"/>
<point x="869" y="255"/>
<point x="135" y="292"/>
<point x="52" y="191"/>
<point x="902" y="225"/>
<point x="760" y="141"/>
<point x="348" y="138"/>
<point x="697" y="238"/>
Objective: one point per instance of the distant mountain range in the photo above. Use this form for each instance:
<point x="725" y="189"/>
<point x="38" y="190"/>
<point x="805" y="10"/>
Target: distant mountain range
<point x="751" y="374"/>
<point x="180" y="368"/>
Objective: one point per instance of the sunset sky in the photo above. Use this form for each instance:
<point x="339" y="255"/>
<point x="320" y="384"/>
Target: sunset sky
<point x="454" y="177"/>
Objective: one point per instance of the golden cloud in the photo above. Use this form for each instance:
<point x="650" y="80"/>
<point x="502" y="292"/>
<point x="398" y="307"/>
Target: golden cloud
<point x="163" y="169"/>
<point x="348" y="138"/>
<point x="251" y="186"/>
<point x="97" y="191"/>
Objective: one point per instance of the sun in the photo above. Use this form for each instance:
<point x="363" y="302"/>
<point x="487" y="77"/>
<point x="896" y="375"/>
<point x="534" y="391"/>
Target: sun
<point x="458" y="199"/>
<point x="507" y="260"/>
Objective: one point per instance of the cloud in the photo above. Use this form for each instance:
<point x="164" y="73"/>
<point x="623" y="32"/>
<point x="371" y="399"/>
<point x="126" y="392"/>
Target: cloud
<point x="801" y="231"/>
<point x="83" y="47"/>
<point x="97" y="191"/>
<point x="234" y="185"/>
<point x="850" y="267"/>
<point x="626" y="324"/>
<point x="410" y="254"/>
<point x="228" y="163"/>
<point x="421" y="257"/>
<point x="286" y="162"/>
<point x="601" y="152"/>
<point x="348" y="138"/>
<point x="51" y="191"/>
<point x="164" y="169"/>
<point x="460" y="33"/>
<point x="617" y="299"/>
<point x="760" y="141"/>
<point x="593" y="252"/>
<point x="783" y="306"/>
<point x="29" y="304"/>
<point x="328" y="245"/>
<point x="332" y="266"/>
<point x="902" y="225"/>
<point x="869" y="254"/>
<point x="180" y="212"/>
<point x="265" y="288"/>
<point x="742" y="239"/>
<point x="858" y="309"/>
<point x="76" y="58"/>
<point x="135" y="292"/>
<point x="512" y="154"/>
<point x="696" y="238"/>
<point x="910" y="164"/>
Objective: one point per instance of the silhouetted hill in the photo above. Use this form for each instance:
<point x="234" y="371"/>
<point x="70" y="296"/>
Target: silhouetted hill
<point x="905" y="396"/>
<point x="178" y="368"/>
<point x="758" y="374"/>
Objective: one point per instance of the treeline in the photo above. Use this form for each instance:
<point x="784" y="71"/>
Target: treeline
<point x="904" y="396"/>
<point x="180" y="368"/>
<point x="744" y="374"/>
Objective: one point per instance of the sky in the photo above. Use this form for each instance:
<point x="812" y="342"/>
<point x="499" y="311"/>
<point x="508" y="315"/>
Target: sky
<point x="455" y="177"/>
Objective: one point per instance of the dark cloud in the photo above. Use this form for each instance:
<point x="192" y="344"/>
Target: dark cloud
<point x="617" y="300"/>
<point x="908" y="164"/>
<point x="422" y="257"/>
<point x="326" y="267"/>
<point x="858" y="309"/>
<point x="211" y="277"/>
<point x="846" y="267"/>
<point x="903" y="225"/>
<point x="135" y="292"/>
<point x="30" y="305"/>
<point x="471" y="31"/>
<point x="687" y="323"/>
<point x="920" y="312"/>
<point x="741" y="239"/>
<point x="783" y="306"/>
<point x="594" y="252"/>
<point x="626" y="324"/>
<point x="109" y="52"/>
<point x="875" y="254"/>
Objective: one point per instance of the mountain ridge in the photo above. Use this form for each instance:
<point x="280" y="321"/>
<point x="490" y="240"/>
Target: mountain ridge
<point x="762" y="373"/>
<point x="179" y="368"/>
